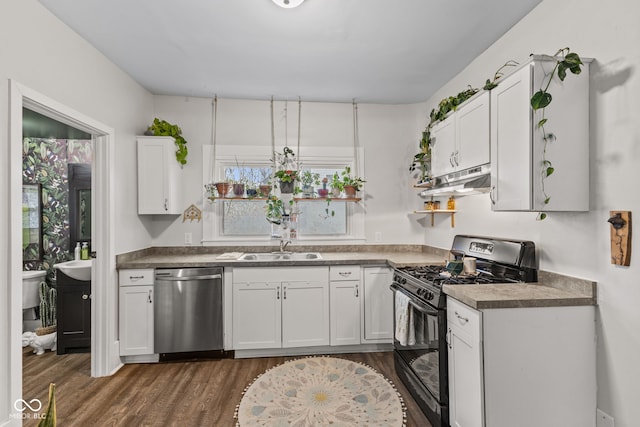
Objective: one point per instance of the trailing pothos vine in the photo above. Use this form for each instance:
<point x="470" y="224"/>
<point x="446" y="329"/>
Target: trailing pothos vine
<point x="447" y="105"/>
<point x="565" y="60"/>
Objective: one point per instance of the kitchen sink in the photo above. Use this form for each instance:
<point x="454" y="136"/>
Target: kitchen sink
<point x="278" y="256"/>
<point x="78" y="269"/>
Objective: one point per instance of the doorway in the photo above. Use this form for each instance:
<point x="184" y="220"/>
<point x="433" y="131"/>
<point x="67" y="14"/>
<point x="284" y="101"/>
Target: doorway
<point x="104" y="350"/>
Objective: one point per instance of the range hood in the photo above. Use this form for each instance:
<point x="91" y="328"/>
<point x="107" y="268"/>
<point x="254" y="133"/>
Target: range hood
<point x="475" y="180"/>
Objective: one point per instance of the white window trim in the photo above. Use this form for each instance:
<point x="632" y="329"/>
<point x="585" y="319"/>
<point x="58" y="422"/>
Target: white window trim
<point x="227" y="154"/>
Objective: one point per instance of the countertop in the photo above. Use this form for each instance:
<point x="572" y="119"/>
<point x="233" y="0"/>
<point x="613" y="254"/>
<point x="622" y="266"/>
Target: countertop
<point x="551" y="290"/>
<point x="394" y="256"/>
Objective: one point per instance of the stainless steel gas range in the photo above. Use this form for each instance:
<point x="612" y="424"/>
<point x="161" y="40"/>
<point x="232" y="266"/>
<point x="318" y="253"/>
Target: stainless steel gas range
<point x="420" y="347"/>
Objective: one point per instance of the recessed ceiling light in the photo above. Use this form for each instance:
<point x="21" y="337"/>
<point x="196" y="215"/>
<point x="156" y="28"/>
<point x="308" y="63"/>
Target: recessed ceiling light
<point x="288" y="4"/>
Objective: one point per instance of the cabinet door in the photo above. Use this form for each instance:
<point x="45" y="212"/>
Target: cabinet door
<point x="472" y="133"/>
<point x="158" y="175"/>
<point x="443" y="143"/>
<point x="257" y="315"/>
<point x="465" y="366"/>
<point x="73" y="317"/>
<point x="377" y="306"/>
<point x="345" y="312"/>
<point x="136" y="320"/>
<point x="511" y="135"/>
<point x="305" y="313"/>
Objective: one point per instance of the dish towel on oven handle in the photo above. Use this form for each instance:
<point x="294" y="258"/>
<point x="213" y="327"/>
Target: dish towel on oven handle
<point x="405" y="333"/>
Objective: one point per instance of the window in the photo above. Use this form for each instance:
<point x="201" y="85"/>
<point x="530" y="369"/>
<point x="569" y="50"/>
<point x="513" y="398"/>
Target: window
<point x="242" y="215"/>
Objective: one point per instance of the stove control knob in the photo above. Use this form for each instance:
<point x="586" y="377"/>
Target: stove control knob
<point x="430" y="295"/>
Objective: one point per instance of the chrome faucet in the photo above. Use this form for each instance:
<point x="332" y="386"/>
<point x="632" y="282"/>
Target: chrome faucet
<point x="284" y="244"/>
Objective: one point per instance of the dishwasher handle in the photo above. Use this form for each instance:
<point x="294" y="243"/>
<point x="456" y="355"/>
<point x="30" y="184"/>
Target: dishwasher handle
<point x="188" y="278"/>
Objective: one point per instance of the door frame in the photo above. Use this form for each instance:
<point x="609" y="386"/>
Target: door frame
<point x="104" y="297"/>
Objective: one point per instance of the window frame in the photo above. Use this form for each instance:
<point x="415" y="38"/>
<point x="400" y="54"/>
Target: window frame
<point x="315" y="157"/>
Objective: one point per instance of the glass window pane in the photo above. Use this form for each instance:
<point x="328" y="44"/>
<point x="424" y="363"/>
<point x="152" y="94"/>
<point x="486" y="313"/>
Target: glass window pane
<point x="244" y="218"/>
<point x="318" y="218"/>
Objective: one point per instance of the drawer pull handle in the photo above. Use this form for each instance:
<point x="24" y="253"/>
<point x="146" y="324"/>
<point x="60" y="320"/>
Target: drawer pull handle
<point x="136" y="277"/>
<point x="345" y="273"/>
<point x="464" y="319"/>
<point x="357" y="292"/>
<point x="85" y="296"/>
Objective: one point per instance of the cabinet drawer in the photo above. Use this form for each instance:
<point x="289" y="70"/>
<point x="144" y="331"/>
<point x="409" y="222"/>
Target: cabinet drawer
<point x="136" y="277"/>
<point x="344" y="272"/>
<point x="463" y="317"/>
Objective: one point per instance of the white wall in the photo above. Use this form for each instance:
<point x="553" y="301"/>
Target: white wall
<point x="578" y="244"/>
<point x="388" y="134"/>
<point x="40" y="52"/>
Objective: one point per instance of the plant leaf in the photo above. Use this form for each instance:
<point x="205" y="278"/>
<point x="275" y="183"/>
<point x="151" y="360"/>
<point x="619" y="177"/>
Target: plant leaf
<point x="562" y="71"/>
<point x="550" y="170"/>
<point x="540" y="99"/>
<point x="542" y="216"/>
<point x="542" y="122"/>
<point x="546" y="201"/>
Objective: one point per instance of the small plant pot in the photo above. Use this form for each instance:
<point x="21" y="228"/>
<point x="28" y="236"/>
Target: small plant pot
<point x="223" y="188"/>
<point x="350" y="191"/>
<point x="336" y="192"/>
<point x="286" y="187"/>
<point x="252" y="192"/>
<point x="323" y="192"/>
<point x="265" y="190"/>
<point x="238" y="190"/>
<point x="307" y="191"/>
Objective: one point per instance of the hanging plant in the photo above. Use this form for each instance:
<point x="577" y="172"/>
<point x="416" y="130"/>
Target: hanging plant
<point x="565" y="60"/>
<point x="164" y="128"/>
<point x="422" y="159"/>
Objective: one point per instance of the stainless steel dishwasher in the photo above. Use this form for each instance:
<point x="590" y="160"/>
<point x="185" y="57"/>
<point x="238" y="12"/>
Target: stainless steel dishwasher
<point x="188" y="310"/>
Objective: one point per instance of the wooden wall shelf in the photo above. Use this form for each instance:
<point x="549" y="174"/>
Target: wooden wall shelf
<point x="439" y="211"/>
<point x="297" y="199"/>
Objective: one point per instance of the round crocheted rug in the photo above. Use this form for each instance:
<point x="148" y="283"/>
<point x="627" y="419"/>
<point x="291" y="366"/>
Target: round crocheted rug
<point x="319" y="391"/>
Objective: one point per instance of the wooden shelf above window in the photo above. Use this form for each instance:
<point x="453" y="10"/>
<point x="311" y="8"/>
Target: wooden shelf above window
<point x="297" y="199"/>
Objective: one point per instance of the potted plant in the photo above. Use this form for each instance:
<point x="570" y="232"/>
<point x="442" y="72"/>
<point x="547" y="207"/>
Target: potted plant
<point x="265" y="186"/>
<point x="336" y="185"/>
<point x="308" y="179"/>
<point x="324" y="191"/>
<point x="287" y="180"/>
<point x="164" y="128"/>
<point x="351" y="184"/>
<point x="286" y="172"/>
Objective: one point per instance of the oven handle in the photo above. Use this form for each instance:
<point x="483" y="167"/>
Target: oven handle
<point x="424" y="308"/>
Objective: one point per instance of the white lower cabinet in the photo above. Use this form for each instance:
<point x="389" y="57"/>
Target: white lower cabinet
<point x="465" y="366"/>
<point x="280" y="307"/>
<point x="136" y="312"/>
<point x="344" y="304"/>
<point x="528" y="367"/>
<point x="377" y="305"/>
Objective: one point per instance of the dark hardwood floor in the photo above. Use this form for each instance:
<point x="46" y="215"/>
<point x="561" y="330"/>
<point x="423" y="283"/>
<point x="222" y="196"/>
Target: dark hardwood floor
<point x="185" y="393"/>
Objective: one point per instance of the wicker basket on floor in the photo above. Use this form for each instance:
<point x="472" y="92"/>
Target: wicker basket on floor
<point x="46" y="330"/>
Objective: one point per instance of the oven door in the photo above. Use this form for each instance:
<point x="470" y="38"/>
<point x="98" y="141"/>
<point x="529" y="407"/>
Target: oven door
<point x="425" y="352"/>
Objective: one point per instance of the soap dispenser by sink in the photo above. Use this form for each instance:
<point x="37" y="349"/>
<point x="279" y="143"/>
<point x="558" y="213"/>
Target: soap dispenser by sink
<point x="84" y="251"/>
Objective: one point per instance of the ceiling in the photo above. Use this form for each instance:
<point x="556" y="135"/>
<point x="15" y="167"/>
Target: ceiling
<point x="376" y="51"/>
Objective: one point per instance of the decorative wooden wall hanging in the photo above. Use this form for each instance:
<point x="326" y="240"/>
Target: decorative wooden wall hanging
<point x="620" y="237"/>
<point x="192" y="213"/>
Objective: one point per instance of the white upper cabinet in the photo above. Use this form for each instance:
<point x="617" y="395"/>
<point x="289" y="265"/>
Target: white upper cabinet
<point x="443" y="146"/>
<point x="158" y="176"/>
<point x="519" y="155"/>
<point x="473" y="133"/>
<point x="461" y="141"/>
